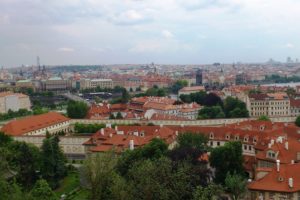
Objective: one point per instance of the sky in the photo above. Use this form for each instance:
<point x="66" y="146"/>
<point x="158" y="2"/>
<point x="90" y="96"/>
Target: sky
<point x="144" y="31"/>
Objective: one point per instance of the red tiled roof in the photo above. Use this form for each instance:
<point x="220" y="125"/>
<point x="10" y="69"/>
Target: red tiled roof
<point x="27" y="124"/>
<point x="279" y="181"/>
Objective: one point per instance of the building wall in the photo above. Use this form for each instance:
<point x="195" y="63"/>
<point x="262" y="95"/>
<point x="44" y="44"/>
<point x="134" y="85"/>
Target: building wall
<point x="271" y="108"/>
<point x="55" y="128"/>
<point x="70" y="145"/>
<point x="14" y="102"/>
<point x="268" y="195"/>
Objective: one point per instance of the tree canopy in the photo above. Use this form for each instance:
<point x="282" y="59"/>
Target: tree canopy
<point x="77" y="109"/>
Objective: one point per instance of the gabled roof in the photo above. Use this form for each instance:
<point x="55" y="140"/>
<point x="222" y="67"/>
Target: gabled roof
<point x="21" y="126"/>
<point x="279" y="181"/>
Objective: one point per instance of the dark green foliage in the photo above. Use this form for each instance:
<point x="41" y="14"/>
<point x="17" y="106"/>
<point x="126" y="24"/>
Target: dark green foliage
<point x="211" y="192"/>
<point x="236" y="185"/>
<point x="192" y="140"/>
<point x="178" y="85"/>
<point x="53" y="166"/>
<point x="213" y="112"/>
<point x="297" y="122"/>
<point x="160" y="92"/>
<point x="154" y="150"/>
<point x="275" y="78"/>
<point x="77" y="109"/>
<point x="235" y="108"/>
<point x="25" y="160"/>
<point x="4" y="139"/>
<point x="42" y="190"/>
<point x="227" y="159"/>
<point x="264" y="118"/>
<point x="87" y="128"/>
<point x="14" y="114"/>
<point x="202" y="98"/>
<point x="119" y="116"/>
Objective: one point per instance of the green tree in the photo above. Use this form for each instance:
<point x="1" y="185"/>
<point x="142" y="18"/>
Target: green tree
<point x="26" y="161"/>
<point x="119" y="116"/>
<point x="213" y="112"/>
<point x="227" y="158"/>
<point x="112" y="116"/>
<point x="156" y="149"/>
<point x="264" y="118"/>
<point x="192" y="140"/>
<point x="10" y="191"/>
<point x="42" y="190"/>
<point x="77" y="109"/>
<point x="178" y="85"/>
<point x="125" y="96"/>
<point x="100" y="173"/>
<point x="236" y="185"/>
<point x="297" y="122"/>
<point x="211" y="192"/>
<point x="235" y="108"/>
<point x="53" y="167"/>
<point x="157" y="180"/>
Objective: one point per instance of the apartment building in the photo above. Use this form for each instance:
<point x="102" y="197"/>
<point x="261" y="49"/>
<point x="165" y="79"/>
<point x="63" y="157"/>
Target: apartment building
<point x="13" y="101"/>
<point x="269" y="104"/>
<point x="51" y="122"/>
<point x="56" y="83"/>
<point x="93" y="83"/>
<point x="190" y="90"/>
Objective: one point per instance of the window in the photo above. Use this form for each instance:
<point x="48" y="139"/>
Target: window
<point x="211" y="135"/>
<point x="218" y="143"/>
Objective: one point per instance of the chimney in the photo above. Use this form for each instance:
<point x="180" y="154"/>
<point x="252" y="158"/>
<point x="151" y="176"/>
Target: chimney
<point x="131" y="144"/>
<point x="182" y="125"/>
<point x="292" y="162"/>
<point x="269" y="145"/>
<point x="108" y="125"/>
<point x="291" y="182"/>
<point x="286" y="145"/>
<point x="278" y="165"/>
<point x="110" y="135"/>
<point x="102" y="131"/>
<point x="176" y="133"/>
<point x="161" y="125"/>
<point x="116" y="128"/>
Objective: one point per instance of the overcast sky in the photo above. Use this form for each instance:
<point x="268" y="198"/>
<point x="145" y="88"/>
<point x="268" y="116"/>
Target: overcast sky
<point x="145" y="31"/>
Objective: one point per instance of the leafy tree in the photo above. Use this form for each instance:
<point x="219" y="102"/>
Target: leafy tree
<point x="192" y="140"/>
<point x="4" y="139"/>
<point x="87" y="128"/>
<point x="264" y="118"/>
<point x="234" y="108"/>
<point x="112" y="116"/>
<point x="297" y="122"/>
<point x="53" y="167"/>
<point x="236" y="185"/>
<point x="99" y="170"/>
<point x="157" y="180"/>
<point x="77" y="109"/>
<point x="291" y="91"/>
<point x="211" y="192"/>
<point x="212" y="100"/>
<point x="227" y="158"/>
<point x="119" y="116"/>
<point x="10" y="191"/>
<point x="125" y="96"/>
<point x="213" y="112"/>
<point x="178" y="85"/>
<point x="156" y="149"/>
<point x="26" y="161"/>
<point x="42" y="190"/>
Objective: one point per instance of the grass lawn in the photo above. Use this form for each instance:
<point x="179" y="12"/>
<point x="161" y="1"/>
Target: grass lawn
<point x="81" y="195"/>
<point x="69" y="183"/>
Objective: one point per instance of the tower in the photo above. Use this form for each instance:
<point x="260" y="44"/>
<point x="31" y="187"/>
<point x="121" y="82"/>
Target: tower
<point x="199" y="75"/>
<point x="38" y="62"/>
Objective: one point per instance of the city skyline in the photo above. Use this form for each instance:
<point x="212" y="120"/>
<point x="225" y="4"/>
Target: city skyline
<point x="142" y="31"/>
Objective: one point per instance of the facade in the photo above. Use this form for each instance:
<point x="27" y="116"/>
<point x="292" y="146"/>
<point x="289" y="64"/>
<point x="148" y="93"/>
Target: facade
<point x="71" y="145"/>
<point x="51" y="122"/>
<point x="269" y="104"/>
<point x="13" y="101"/>
<point x="190" y="90"/>
<point x="56" y="84"/>
<point x="24" y="84"/>
<point x="93" y="83"/>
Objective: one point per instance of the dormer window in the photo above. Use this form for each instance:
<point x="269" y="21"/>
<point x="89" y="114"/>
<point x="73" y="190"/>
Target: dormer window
<point x="211" y="135"/>
<point x="262" y="127"/>
<point x="142" y="134"/>
<point x="271" y="154"/>
<point x="254" y="140"/>
<point x="246" y="138"/>
<point x="236" y="137"/>
<point x="227" y="137"/>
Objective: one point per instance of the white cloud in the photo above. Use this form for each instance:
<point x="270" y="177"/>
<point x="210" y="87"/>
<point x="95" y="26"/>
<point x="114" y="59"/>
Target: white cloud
<point x="167" y="34"/>
<point x="289" y="45"/>
<point x="66" y="49"/>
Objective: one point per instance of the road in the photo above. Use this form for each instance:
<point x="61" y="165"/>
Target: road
<point x="75" y="98"/>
